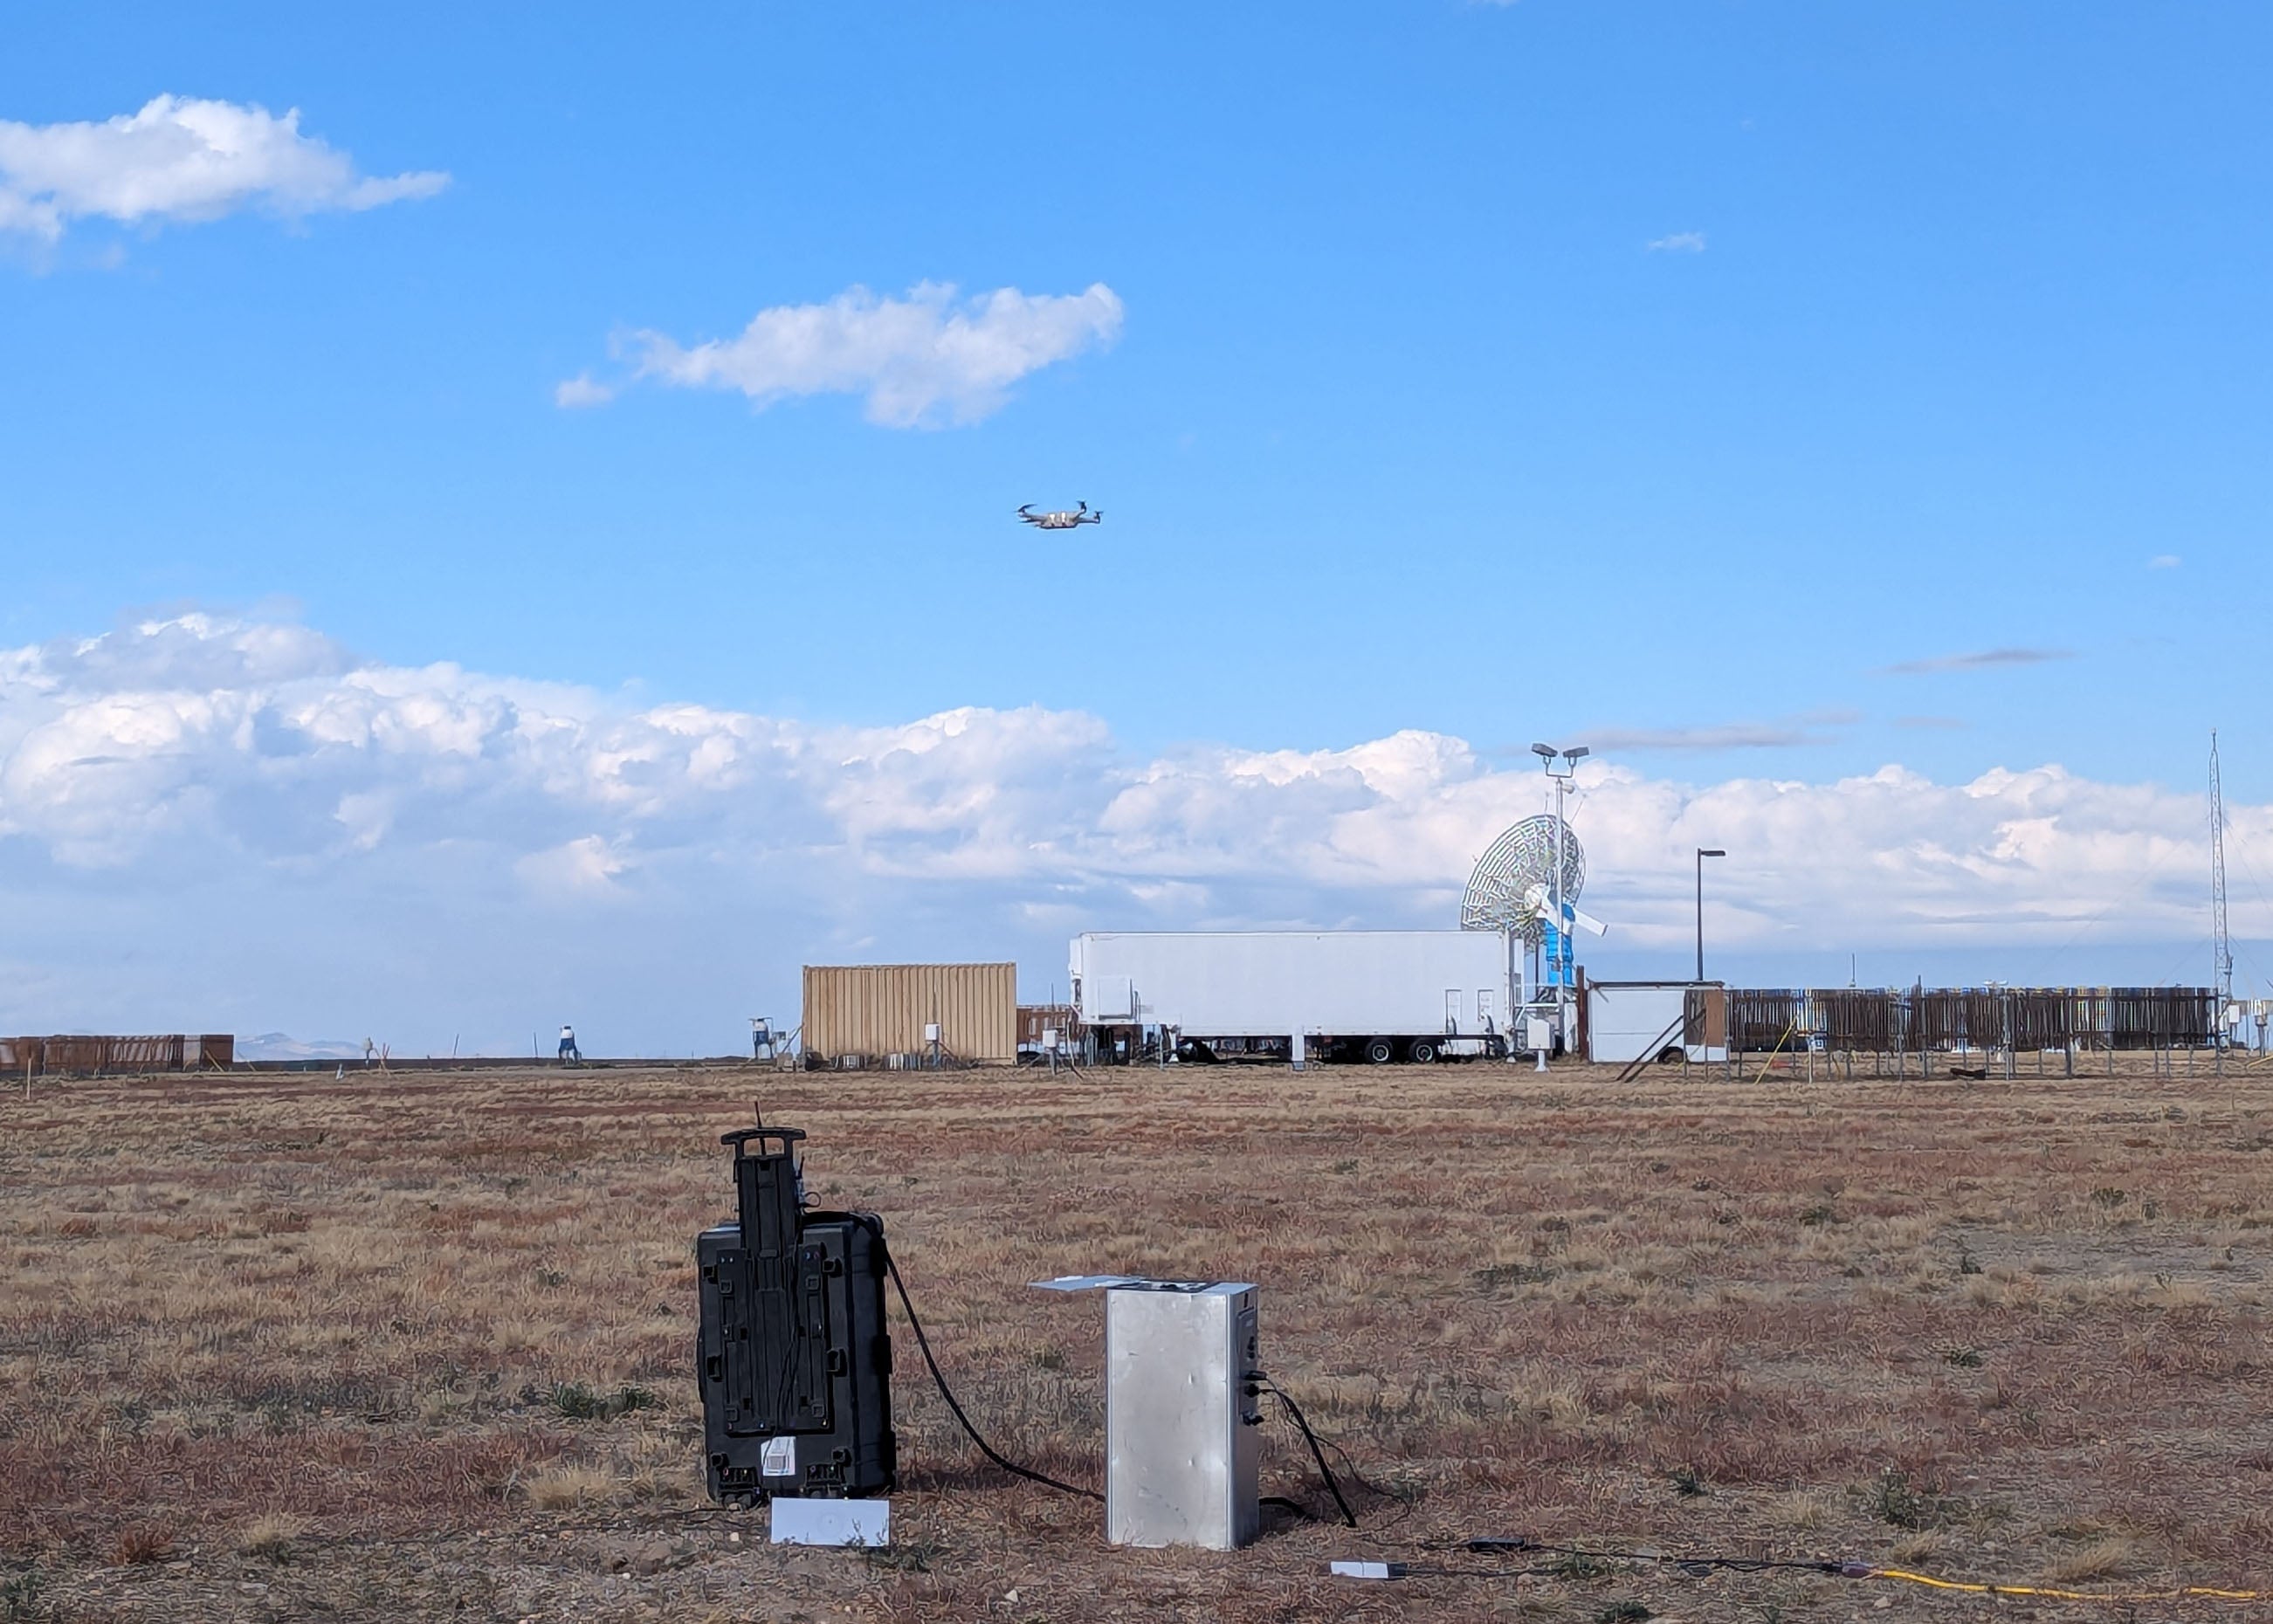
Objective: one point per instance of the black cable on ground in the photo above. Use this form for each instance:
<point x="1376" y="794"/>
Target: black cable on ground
<point x="1694" y="1566"/>
<point x="1406" y="1504"/>
<point x="1350" y="1469"/>
<point x="1294" y="1411"/>
<point x="892" y="1266"/>
<point x="1572" y="1558"/>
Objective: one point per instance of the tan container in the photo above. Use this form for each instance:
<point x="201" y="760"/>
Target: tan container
<point x="880" y="1009"/>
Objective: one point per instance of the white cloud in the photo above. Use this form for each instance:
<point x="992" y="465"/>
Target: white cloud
<point x="1716" y="735"/>
<point x="927" y="358"/>
<point x="1980" y="660"/>
<point x="579" y="390"/>
<point x="1679" y="242"/>
<point x="182" y="159"/>
<point x="587" y="865"/>
<point x="470" y="843"/>
<point x="2164" y="561"/>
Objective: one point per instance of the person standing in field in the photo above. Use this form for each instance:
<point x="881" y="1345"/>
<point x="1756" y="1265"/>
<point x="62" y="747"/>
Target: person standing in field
<point x="568" y="1049"/>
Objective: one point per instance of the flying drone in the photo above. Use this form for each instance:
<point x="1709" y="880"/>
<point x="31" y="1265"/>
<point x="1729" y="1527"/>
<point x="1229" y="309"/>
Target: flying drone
<point x="1061" y="519"/>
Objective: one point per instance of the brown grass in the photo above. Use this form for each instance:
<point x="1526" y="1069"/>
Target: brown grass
<point x="2114" y="1558"/>
<point x="271" y="1535"/>
<point x="562" y="1488"/>
<point x="278" y="1346"/>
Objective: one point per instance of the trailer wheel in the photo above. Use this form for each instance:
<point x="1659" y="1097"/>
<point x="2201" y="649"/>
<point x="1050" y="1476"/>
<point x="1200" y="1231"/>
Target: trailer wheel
<point x="1421" y="1052"/>
<point x="1379" y="1051"/>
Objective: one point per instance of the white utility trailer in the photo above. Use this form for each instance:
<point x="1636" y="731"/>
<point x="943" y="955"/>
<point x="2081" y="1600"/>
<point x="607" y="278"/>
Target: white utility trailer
<point x="1376" y="996"/>
<point x="1630" y="1021"/>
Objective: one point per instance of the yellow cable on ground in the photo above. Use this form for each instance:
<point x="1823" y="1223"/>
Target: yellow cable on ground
<point x="2048" y="1594"/>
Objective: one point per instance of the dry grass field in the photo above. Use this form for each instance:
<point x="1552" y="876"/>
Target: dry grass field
<point x="418" y="1346"/>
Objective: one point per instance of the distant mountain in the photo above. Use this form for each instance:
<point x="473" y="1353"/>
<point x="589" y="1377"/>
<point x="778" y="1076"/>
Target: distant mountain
<point x="284" y="1046"/>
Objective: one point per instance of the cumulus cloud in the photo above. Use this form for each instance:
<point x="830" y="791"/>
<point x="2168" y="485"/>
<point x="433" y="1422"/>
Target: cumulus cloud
<point x="1986" y="659"/>
<point x="930" y="358"/>
<point x="1679" y="242"/>
<point x="182" y="159"/>
<point x="324" y="825"/>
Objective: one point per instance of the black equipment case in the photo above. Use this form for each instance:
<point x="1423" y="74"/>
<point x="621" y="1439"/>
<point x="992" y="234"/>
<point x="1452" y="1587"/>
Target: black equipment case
<point x="793" y="1357"/>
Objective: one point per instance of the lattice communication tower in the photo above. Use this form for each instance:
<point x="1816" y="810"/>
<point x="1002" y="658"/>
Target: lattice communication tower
<point x="2221" y="945"/>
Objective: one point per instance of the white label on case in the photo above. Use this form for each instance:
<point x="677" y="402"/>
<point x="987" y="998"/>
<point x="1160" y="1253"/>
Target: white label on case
<point x="778" y="1459"/>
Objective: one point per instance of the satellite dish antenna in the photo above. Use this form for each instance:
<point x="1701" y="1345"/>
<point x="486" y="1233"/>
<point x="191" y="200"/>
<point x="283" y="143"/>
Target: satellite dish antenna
<point x="1508" y="888"/>
<point x="1541" y="902"/>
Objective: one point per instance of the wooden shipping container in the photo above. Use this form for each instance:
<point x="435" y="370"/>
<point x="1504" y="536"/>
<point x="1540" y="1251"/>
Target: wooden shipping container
<point x="876" y="1010"/>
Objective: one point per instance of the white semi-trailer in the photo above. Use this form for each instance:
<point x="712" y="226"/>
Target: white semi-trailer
<point x="1377" y="996"/>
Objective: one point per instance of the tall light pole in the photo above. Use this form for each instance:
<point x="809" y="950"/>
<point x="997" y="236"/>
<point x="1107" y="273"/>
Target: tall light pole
<point x="1703" y="852"/>
<point x="1548" y="755"/>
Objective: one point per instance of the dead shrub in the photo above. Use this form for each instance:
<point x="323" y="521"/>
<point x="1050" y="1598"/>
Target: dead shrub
<point x="271" y="1535"/>
<point x="564" y="1488"/>
<point x="139" y="1543"/>
<point x="1807" y="1509"/>
<point x="1917" y="1550"/>
<point x="2115" y="1557"/>
<point x="580" y="1401"/>
<point x="1894" y="1499"/>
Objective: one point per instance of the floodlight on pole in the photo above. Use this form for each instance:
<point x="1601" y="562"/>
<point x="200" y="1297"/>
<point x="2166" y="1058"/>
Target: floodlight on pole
<point x="1703" y="852"/>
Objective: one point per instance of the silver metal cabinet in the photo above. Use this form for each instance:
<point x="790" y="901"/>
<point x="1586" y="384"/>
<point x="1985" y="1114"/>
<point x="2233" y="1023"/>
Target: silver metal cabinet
<point x="1181" y="1417"/>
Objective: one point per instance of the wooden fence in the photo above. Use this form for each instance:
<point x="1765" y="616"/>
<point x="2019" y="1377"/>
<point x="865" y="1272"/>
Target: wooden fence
<point x="1900" y="1021"/>
<point x="82" y="1056"/>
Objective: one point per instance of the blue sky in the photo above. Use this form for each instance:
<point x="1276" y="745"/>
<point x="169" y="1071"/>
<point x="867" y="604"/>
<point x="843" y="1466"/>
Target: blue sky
<point x="1673" y="376"/>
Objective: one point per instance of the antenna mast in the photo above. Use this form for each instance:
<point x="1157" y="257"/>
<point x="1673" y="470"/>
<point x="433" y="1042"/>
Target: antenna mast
<point x="2221" y="947"/>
